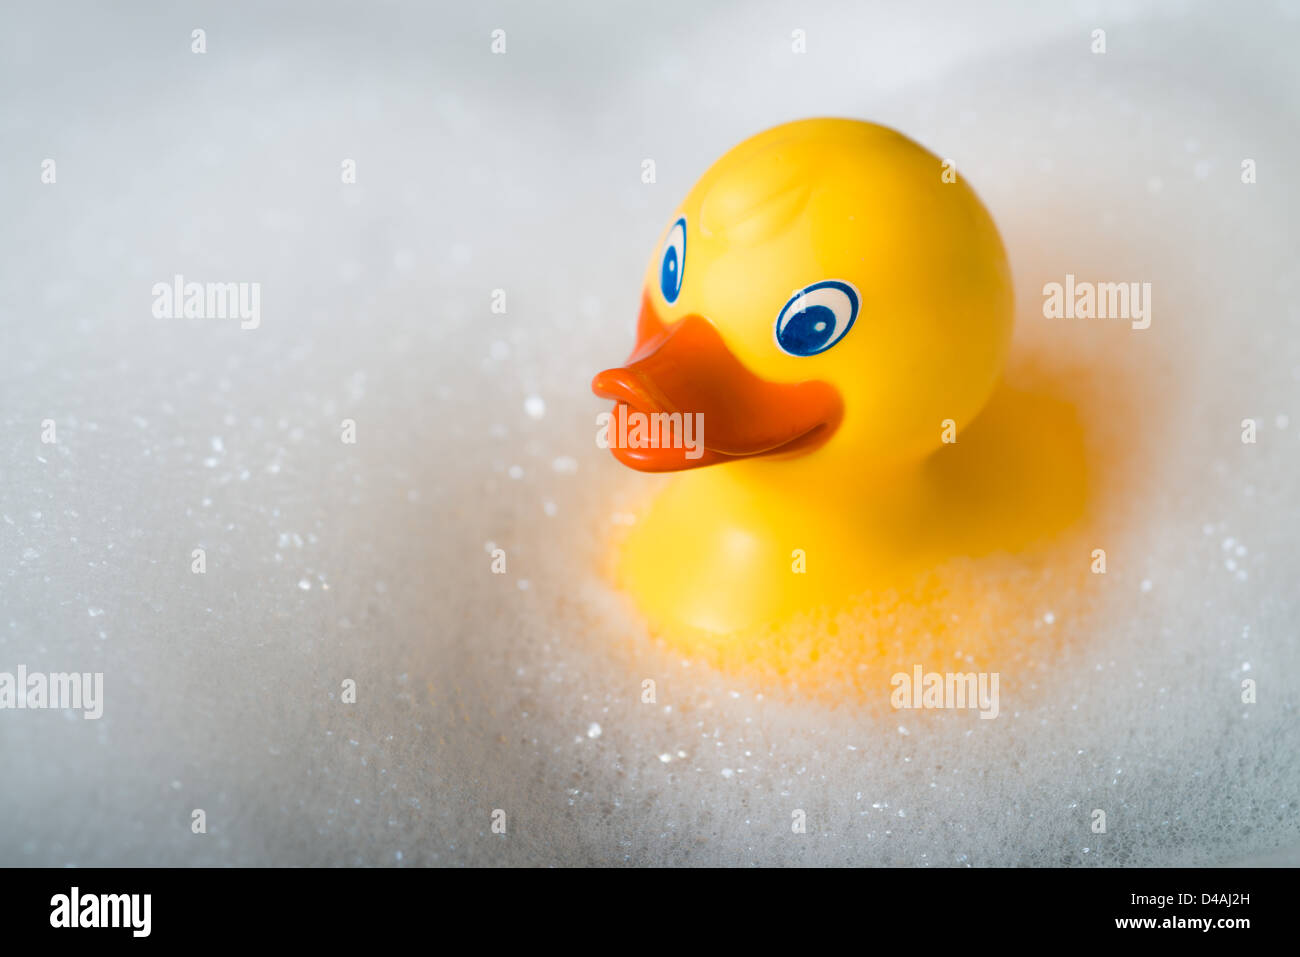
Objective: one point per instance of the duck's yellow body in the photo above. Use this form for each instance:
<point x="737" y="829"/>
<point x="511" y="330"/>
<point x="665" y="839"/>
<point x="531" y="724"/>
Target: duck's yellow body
<point x="834" y="306"/>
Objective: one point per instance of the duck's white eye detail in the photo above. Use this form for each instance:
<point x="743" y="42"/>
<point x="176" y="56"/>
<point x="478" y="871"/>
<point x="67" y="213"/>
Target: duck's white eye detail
<point x="673" y="265"/>
<point x="817" y="317"/>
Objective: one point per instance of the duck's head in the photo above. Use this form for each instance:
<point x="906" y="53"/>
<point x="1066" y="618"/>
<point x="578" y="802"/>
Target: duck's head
<point x="830" y="292"/>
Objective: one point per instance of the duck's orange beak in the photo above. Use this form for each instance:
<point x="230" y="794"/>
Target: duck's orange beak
<point x="685" y="370"/>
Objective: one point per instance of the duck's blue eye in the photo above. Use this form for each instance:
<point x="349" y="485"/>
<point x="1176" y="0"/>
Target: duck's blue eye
<point x="817" y="317"/>
<point x="673" y="265"/>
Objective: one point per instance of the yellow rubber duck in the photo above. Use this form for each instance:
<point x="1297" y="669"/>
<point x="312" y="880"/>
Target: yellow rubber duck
<point x="826" y="310"/>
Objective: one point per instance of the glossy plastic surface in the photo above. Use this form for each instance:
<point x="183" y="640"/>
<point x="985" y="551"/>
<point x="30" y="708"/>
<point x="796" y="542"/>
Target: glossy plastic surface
<point x="821" y="455"/>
